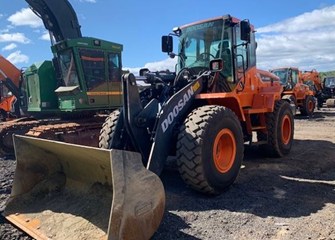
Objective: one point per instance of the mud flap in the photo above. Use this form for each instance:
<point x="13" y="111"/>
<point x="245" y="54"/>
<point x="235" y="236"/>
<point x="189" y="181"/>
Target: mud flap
<point x="66" y="191"/>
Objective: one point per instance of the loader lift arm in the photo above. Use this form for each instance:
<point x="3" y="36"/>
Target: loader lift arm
<point x="165" y="112"/>
<point x="58" y="17"/>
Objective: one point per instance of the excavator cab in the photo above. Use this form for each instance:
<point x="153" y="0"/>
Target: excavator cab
<point x="89" y="74"/>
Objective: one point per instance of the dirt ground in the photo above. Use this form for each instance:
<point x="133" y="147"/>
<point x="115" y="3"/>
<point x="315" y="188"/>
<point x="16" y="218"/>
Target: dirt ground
<point x="273" y="198"/>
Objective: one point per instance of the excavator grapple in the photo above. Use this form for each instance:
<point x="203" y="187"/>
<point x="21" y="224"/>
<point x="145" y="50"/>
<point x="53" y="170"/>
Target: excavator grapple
<point x="64" y="191"/>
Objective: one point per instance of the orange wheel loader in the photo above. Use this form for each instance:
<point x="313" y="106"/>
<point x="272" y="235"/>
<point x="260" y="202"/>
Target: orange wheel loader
<point x="296" y="92"/>
<point x="202" y="116"/>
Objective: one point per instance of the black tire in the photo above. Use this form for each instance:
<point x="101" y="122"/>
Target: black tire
<point x="308" y="106"/>
<point x="203" y="129"/>
<point x="108" y="131"/>
<point x="280" y="131"/>
<point x="320" y="101"/>
<point x="3" y="115"/>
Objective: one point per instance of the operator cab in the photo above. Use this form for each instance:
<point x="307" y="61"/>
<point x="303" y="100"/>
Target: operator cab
<point x="224" y="38"/>
<point x="329" y="82"/>
<point x="288" y="77"/>
<point x="90" y="69"/>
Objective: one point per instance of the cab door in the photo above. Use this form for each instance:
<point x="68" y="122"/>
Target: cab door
<point x="299" y="88"/>
<point x="94" y="69"/>
<point x="114" y="79"/>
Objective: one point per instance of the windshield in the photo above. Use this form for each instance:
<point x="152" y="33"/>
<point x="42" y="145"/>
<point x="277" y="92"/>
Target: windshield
<point x="282" y="74"/>
<point x="201" y="43"/>
<point x="330" y="82"/>
<point x="68" y="68"/>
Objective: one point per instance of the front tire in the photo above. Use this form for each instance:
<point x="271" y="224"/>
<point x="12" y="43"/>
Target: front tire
<point x="210" y="149"/>
<point x="280" y="130"/>
<point x="109" y="132"/>
<point x="308" y="106"/>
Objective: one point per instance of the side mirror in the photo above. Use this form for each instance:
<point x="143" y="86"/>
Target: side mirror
<point x="143" y="71"/>
<point x="245" y="30"/>
<point x="216" y="65"/>
<point x="167" y="44"/>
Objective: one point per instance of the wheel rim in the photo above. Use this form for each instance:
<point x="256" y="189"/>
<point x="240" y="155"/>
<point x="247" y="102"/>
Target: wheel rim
<point x="224" y="150"/>
<point x="286" y="130"/>
<point x="310" y="106"/>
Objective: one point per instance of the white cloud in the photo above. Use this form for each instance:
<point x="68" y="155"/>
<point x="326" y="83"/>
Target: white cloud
<point x="305" y="41"/>
<point x="305" y="22"/>
<point x="14" y="37"/>
<point x="167" y="64"/>
<point x="4" y="30"/>
<point x="45" y="36"/>
<point x="9" y="47"/>
<point x="17" y="57"/>
<point x="25" y="17"/>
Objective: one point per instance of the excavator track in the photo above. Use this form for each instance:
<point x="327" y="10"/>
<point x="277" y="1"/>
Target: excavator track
<point x="83" y="131"/>
<point x="18" y="126"/>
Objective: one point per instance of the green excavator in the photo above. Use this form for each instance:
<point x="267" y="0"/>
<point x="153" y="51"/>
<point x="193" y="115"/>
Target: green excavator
<point x="66" y="99"/>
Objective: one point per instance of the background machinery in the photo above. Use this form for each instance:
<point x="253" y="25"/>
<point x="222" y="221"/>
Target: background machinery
<point x="10" y="84"/>
<point x="296" y="92"/>
<point x="202" y="117"/>
<point x="328" y="92"/>
<point x="313" y="80"/>
<point x="64" y="95"/>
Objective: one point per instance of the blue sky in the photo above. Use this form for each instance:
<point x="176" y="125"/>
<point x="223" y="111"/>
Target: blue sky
<point x="290" y="33"/>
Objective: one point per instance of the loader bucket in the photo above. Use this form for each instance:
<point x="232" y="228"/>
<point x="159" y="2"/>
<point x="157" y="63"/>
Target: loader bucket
<point x="66" y="191"/>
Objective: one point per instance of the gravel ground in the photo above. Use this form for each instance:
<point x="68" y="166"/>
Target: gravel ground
<point x="273" y="198"/>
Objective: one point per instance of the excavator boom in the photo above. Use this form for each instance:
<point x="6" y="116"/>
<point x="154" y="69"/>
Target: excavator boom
<point x="10" y="78"/>
<point x="8" y="70"/>
<point x="58" y="17"/>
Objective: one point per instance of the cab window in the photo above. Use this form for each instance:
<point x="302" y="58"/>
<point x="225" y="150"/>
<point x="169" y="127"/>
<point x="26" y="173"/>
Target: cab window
<point x="93" y="67"/>
<point x="114" y="67"/>
<point x="295" y="77"/>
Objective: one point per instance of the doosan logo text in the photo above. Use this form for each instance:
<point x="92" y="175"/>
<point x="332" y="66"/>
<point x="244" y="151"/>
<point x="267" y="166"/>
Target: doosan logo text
<point x="176" y="110"/>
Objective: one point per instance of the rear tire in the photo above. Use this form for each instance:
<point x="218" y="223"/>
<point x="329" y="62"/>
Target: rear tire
<point x="280" y="130"/>
<point x="308" y="106"/>
<point x="210" y="149"/>
<point x="108" y="131"/>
